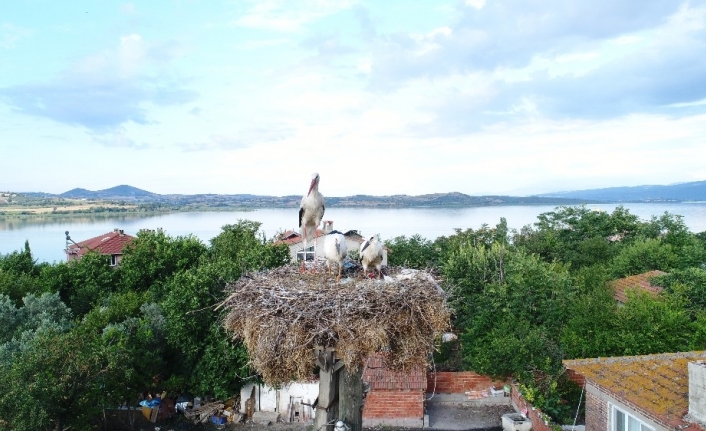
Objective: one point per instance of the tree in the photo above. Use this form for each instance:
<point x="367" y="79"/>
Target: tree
<point x="413" y="252"/>
<point x="82" y="283"/>
<point x="154" y="257"/>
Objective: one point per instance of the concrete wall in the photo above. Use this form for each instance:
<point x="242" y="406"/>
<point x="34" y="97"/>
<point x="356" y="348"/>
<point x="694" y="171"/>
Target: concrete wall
<point x="697" y="391"/>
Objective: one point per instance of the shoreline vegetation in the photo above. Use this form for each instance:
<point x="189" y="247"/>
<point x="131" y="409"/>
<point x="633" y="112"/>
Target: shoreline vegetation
<point x="41" y="205"/>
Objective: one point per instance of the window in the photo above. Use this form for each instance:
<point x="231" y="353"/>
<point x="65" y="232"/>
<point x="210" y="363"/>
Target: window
<point x="623" y="421"/>
<point x="307" y="254"/>
<point x="113" y="260"/>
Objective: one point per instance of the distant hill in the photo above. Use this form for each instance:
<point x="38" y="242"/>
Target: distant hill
<point x="122" y="192"/>
<point x="139" y="196"/>
<point x="693" y="191"/>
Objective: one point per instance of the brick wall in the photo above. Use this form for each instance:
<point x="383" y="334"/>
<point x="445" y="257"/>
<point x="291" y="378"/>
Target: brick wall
<point x="387" y="404"/>
<point x="575" y="377"/>
<point x="522" y="405"/>
<point x="457" y="382"/>
<point x="596" y="413"/>
<point x="394" y="408"/>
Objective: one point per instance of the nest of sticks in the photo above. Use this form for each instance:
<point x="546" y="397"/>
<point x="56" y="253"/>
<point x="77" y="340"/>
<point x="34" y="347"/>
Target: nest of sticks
<point x="282" y="315"/>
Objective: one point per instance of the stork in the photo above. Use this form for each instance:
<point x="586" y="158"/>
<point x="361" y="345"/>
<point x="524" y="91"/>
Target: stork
<point x="335" y="250"/>
<point x="371" y="254"/>
<point x="311" y="211"/>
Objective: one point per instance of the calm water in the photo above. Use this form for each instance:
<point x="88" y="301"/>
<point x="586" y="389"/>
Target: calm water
<point x="47" y="240"/>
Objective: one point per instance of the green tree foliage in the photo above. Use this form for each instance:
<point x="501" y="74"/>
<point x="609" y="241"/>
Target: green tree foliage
<point x="83" y="283"/>
<point x="579" y="236"/>
<point x="154" y="257"/>
<point x="57" y="382"/>
<point x="413" y="252"/>
<point x="17" y="272"/>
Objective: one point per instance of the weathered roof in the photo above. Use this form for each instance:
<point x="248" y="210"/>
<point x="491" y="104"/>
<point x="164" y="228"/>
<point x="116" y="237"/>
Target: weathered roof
<point x="639" y="281"/>
<point x="657" y="385"/>
<point x="109" y="243"/>
<point x="290" y="237"/>
<point x="380" y="377"/>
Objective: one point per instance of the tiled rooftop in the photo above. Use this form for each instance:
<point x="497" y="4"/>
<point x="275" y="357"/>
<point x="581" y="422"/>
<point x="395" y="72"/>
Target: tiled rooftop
<point x="640" y="281"/>
<point x="109" y="243"/>
<point x="656" y="384"/>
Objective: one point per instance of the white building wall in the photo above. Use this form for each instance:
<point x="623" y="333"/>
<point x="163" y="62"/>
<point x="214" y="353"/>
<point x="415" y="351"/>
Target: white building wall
<point x="266" y="396"/>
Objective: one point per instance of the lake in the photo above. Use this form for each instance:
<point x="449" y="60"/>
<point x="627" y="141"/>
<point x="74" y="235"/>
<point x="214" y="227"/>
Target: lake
<point x="47" y="239"/>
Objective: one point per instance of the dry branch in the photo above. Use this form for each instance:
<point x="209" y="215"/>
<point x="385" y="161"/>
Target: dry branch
<point x="282" y="314"/>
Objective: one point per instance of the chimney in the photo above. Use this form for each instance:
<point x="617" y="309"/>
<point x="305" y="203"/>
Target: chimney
<point x="697" y="391"/>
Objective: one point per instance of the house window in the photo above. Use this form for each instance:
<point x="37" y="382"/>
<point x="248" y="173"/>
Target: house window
<point x="623" y="421"/>
<point x="307" y="254"/>
<point x="113" y="260"/>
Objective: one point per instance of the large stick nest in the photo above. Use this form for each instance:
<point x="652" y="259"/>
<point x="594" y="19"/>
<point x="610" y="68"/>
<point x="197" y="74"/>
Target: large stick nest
<point x="282" y="315"/>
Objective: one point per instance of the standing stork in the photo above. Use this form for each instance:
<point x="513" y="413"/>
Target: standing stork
<point x="371" y="254"/>
<point x="311" y="211"/>
<point x="335" y="250"/>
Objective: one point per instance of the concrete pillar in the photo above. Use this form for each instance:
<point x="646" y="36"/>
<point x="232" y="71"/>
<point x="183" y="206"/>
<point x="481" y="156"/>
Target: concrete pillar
<point x="697" y="390"/>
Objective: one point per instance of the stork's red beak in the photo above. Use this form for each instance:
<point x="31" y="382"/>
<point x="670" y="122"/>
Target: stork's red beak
<point x="311" y="187"/>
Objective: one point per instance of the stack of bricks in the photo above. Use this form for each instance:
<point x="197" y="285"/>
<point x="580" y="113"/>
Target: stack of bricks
<point x="477" y="395"/>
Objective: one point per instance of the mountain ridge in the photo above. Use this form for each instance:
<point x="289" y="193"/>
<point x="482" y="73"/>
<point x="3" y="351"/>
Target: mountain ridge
<point x="687" y="191"/>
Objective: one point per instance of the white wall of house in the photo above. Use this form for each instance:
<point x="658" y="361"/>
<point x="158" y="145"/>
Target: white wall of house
<point x="266" y="396"/>
<point x="350" y="243"/>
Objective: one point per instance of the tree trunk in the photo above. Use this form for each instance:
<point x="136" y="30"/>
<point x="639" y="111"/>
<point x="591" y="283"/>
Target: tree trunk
<point x="350" y="398"/>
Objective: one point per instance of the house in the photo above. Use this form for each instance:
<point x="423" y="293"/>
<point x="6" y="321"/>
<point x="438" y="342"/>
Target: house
<point x="109" y="244"/>
<point x="644" y="393"/>
<point x="639" y="282"/>
<point x="296" y="243"/>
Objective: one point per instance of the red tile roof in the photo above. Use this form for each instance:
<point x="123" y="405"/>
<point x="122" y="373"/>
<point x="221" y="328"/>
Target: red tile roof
<point x="381" y="378"/>
<point x="109" y="243"/>
<point x="640" y="281"/>
<point x="657" y="385"/>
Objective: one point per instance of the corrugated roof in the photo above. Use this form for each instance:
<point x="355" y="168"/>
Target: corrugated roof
<point x="640" y="281"/>
<point x="381" y="378"/>
<point x="109" y="243"/>
<point x="656" y="384"/>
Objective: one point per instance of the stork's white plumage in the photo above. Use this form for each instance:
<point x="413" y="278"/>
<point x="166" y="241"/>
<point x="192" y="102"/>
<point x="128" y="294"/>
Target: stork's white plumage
<point x="311" y="211"/>
<point x="335" y="251"/>
<point x="371" y="254"/>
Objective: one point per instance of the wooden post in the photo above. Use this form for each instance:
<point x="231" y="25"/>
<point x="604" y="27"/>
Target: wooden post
<point x="350" y="394"/>
<point x="327" y="404"/>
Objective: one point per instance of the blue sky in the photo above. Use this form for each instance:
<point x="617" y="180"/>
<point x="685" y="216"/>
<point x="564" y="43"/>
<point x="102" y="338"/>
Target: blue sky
<point x="477" y="96"/>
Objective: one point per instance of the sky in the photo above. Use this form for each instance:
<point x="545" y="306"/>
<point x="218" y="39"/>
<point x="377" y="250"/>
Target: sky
<point x="379" y="97"/>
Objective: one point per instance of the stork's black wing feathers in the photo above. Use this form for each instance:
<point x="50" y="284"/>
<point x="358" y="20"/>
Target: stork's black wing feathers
<point x="323" y="210"/>
<point x="301" y="216"/>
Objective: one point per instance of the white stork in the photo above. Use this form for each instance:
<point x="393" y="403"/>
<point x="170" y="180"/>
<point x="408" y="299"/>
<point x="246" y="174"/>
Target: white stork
<point x="335" y="250"/>
<point x="311" y="211"/>
<point x="371" y="254"/>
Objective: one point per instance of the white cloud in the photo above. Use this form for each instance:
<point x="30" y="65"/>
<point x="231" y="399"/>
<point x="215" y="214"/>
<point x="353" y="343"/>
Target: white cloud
<point x="284" y="16"/>
<point x="11" y="35"/>
<point x="477" y="4"/>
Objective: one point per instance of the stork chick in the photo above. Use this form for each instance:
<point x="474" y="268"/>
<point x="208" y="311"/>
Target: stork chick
<point x="371" y="254"/>
<point x="335" y="251"/>
<point x="311" y="211"/>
